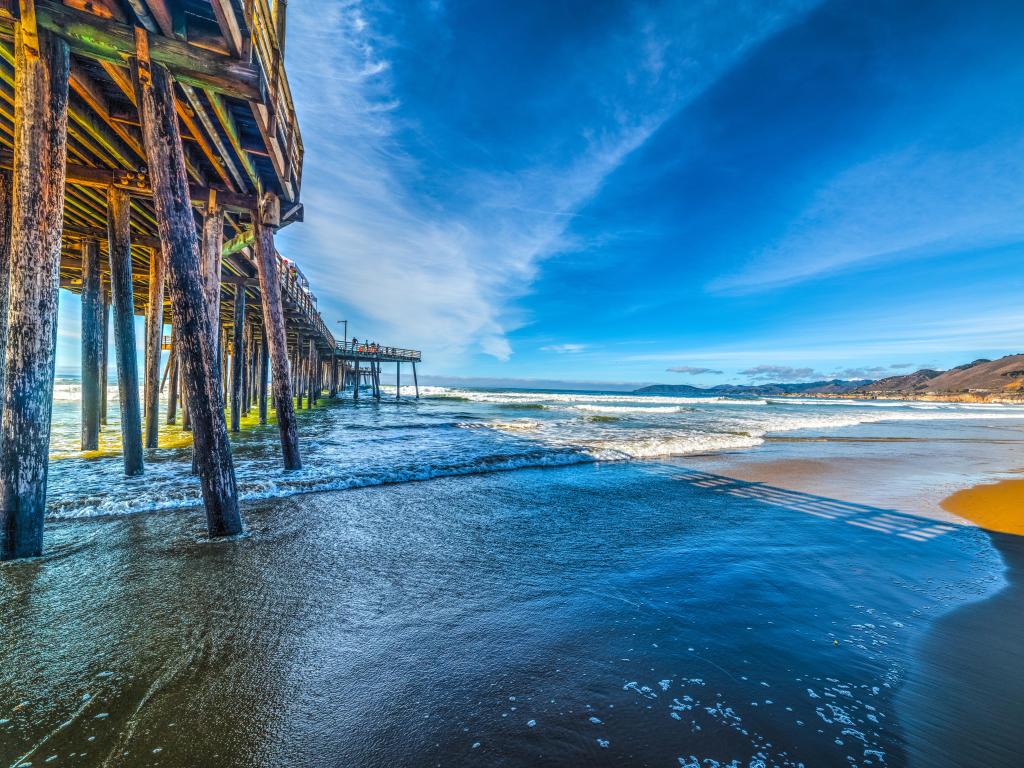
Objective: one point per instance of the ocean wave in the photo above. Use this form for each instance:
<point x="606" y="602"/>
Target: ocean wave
<point x="664" y="446"/>
<point x="629" y="408"/>
<point x="309" y="480"/>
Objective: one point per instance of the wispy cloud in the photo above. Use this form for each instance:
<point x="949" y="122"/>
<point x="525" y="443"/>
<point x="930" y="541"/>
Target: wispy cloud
<point x="436" y="254"/>
<point x="564" y="349"/>
<point x="691" y="370"/>
<point x="912" y="203"/>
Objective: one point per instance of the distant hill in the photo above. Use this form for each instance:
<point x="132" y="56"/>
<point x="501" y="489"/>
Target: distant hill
<point x="1002" y="377"/>
<point x="978" y="380"/>
<point x="833" y="387"/>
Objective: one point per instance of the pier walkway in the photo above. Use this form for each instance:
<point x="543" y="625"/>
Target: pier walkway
<point x="149" y="152"/>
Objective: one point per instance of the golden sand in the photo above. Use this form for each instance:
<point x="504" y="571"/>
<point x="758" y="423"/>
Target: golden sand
<point x="994" y="506"/>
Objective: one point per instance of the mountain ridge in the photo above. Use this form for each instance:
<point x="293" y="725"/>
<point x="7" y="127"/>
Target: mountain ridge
<point x="978" y="381"/>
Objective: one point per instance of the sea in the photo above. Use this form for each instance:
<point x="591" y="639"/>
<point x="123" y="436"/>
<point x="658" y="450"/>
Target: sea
<point x="528" y="578"/>
<point x="457" y="431"/>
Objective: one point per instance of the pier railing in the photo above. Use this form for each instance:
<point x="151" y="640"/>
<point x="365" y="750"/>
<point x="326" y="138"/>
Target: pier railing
<point x="277" y="116"/>
<point x="365" y="351"/>
<point x="294" y="288"/>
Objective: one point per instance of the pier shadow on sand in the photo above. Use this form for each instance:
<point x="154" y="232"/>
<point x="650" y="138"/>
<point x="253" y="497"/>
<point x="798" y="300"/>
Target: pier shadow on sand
<point x="872" y="518"/>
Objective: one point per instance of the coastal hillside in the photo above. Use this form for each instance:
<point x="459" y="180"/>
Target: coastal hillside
<point x="1002" y="377"/>
<point x="978" y="380"/>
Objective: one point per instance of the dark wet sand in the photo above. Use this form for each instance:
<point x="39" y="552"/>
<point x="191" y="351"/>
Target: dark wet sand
<point x="974" y="657"/>
<point x="596" y="615"/>
<point x="967" y="684"/>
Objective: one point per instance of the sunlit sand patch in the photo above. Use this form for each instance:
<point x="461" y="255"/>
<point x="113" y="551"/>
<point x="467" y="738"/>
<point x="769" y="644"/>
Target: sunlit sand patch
<point x="993" y="506"/>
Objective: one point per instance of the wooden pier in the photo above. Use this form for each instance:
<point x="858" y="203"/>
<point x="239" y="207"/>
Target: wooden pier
<point x="149" y="152"/>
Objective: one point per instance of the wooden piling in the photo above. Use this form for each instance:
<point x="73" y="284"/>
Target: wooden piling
<point x="415" y="380"/>
<point x="154" y="346"/>
<point x="172" y="380"/>
<point x="92" y="340"/>
<point x="237" y="358"/>
<point x="355" y="380"/>
<point x="40" y="158"/>
<point x="311" y="366"/>
<point x="120" y="258"/>
<point x="5" y="272"/>
<point x="189" y="308"/>
<point x="273" y="318"/>
<point x="264" y="369"/>
<point x="104" y="357"/>
<point x="398" y="380"/>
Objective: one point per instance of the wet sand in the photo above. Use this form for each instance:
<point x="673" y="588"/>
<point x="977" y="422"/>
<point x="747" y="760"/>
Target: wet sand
<point x="607" y="615"/>
<point x="972" y="655"/>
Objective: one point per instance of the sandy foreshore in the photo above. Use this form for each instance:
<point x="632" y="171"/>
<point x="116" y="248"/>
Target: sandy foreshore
<point x="963" y="699"/>
<point x="993" y="506"/>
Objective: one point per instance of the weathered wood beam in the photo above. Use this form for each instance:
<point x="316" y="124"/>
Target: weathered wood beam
<point x="161" y="14"/>
<point x="229" y="27"/>
<point x="112" y="41"/>
<point x="204" y="118"/>
<point x="212" y="449"/>
<point x="154" y="344"/>
<point x="172" y="385"/>
<point x="104" y="354"/>
<point x="237" y="357"/>
<point x="264" y="370"/>
<point x="120" y="256"/>
<point x="5" y="273"/>
<point x="239" y="242"/>
<point x="40" y="157"/>
<point x="91" y="332"/>
<point x="274" y="331"/>
<point x="82" y="231"/>
<point x="139" y="184"/>
<point x="227" y="122"/>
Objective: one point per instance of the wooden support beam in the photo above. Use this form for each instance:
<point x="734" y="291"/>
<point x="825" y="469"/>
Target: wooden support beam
<point x="211" y="257"/>
<point x="239" y="242"/>
<point x="311" y="374"/>
<point x="274" y="331"/>
<point x="415" y="381"/>
<point x="154" y="345"/>
<point x="172" y="385"/>
<point x="237" y="358"/>
<point x="108" y="40"/>
<point x="263" y="371"/>
<point x="189" y="306"/>
<point x="40" y="157"/>
<point x="121" y="297"/>
<point x="98" y="233"/>
<point x="223" y="154"/>
<point x="229" y="27"/>
<point x="104" y="356"/>
<point x="91" y="332"/>
<point x="5" y="274"/>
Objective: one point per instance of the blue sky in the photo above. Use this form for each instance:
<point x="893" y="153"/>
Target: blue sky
<point x="692" y="192"/>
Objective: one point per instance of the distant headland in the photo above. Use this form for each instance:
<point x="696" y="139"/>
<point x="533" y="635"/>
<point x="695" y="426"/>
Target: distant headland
<point x="982" y="380"/>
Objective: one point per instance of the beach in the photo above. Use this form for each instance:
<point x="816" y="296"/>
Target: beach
<point x="794" y="597"/>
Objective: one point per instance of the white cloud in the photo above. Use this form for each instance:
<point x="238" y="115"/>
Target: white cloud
<point x="564" y="349"/>
<point x="447" y="279"/>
